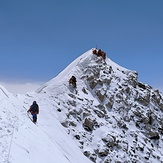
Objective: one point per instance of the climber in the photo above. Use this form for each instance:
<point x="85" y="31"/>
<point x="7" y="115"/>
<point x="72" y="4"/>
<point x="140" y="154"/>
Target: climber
<point x="34" y="110"/>
<point x="73" y="81"/>
<point x="94" y="51"/>
<point x="99" y="53"/>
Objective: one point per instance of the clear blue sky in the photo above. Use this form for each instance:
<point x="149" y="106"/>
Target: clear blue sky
<point x="39" y="38"/>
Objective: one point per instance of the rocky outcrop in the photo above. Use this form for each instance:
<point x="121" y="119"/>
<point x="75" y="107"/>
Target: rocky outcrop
<point x="123" y="104"/>
<point x="88" y="124"/>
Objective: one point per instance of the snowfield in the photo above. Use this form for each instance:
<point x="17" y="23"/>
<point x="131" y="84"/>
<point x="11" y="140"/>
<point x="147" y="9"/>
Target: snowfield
<point x="23" y="141"/>
<point x="109" y="117"/>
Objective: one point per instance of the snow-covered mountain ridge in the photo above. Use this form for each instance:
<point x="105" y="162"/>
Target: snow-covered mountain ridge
<point x="110" y="116"/>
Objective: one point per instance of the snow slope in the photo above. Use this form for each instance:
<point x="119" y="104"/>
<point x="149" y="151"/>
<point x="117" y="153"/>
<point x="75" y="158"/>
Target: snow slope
<point x="23" y="141"/>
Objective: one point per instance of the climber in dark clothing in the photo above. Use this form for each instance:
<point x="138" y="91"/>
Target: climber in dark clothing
<point x="34" y="110"/>
<point x="73" y="81"/>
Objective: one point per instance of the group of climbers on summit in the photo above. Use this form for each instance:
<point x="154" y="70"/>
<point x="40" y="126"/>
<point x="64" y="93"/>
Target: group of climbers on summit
<point x="99" y="53"/>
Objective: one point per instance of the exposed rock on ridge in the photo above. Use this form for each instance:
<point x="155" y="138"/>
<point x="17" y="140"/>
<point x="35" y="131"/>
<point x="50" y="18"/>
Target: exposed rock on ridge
<point x="111" y="115"/>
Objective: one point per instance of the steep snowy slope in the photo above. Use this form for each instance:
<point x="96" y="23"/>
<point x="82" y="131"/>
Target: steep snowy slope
<point x="23" y="141"/>
<point x="110" y="115"/>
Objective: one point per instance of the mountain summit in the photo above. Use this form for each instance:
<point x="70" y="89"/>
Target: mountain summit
<point x="107" y="116"/>
<point x="110" y="114"/>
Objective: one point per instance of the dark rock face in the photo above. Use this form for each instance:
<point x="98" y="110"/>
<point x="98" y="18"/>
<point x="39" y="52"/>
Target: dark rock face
<point x="88" y="124"/>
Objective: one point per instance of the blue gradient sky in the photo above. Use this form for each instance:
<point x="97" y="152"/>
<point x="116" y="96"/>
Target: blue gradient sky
<point x="39" y="38"/>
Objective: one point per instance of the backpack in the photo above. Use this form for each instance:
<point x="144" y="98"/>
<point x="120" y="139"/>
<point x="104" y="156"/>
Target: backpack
<point x="34" y="108"/>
